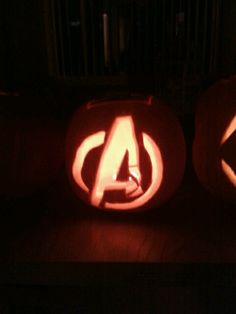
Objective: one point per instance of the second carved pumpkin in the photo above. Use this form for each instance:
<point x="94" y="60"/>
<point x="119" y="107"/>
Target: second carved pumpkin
<point x="214" y="149"/>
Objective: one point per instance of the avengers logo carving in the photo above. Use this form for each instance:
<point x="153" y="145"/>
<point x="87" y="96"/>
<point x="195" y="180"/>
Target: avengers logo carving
<point x="120" y="141"/>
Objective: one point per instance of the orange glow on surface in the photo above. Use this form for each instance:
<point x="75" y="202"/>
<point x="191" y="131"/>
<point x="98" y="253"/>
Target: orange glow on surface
<point x="120" y="141"/>
<point x="229" y="172"/>
<point x="226" y="168"/>
<point x="229" y="131"/>
<point x="90" y="142"/>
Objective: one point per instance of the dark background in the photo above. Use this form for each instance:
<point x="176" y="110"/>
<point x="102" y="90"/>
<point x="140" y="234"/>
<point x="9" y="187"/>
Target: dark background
<point x="52" y="226"/>
<point x="32" y="44"/>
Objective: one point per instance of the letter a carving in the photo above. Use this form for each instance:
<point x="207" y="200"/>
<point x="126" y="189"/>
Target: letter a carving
<point x="120" y="141"/>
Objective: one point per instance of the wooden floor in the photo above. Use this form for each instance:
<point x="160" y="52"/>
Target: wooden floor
<point x="54" y="225"/>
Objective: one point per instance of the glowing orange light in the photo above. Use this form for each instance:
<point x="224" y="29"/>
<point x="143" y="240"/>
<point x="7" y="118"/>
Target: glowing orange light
<point x="226" y="168"/>
<point x="120" y="140"/>
<point x="90" y="142"/>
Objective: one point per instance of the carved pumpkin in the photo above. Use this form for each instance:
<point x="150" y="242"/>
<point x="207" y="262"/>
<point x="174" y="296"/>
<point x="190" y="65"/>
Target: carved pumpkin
<point x="125" y="155"/>
<point x="214" y="149"/>
<point x="31" y="154"/>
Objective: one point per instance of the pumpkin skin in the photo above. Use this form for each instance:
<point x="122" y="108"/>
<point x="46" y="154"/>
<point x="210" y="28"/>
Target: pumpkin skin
<point x="32" y="154"/>
<point x="152" y="141"/>
<point x="214" y="147"/>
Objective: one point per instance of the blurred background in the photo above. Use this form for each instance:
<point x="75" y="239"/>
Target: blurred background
<point x="170" y="48"/>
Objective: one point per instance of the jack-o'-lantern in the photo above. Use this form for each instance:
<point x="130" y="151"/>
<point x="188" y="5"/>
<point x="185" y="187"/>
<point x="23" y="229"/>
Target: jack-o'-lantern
<point x="214" y="149"/>
<point x="125" y="154"/>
